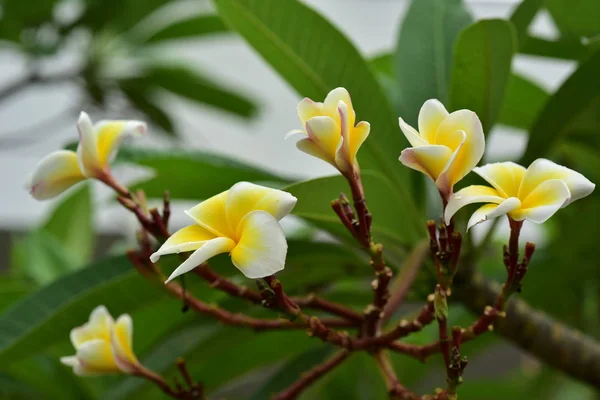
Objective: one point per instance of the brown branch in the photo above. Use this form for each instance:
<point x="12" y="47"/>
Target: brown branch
<point x="311" y="376"/>
<point x="218" y="282"/>
<point x="394" y="387"/>
<point x="317" y="303"/>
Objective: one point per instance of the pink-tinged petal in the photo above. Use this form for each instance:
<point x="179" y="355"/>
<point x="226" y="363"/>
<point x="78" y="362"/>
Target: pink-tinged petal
<point x="54" y="174"/>
<point x="545" y="200"/>
<point x="210" y="214"/>
<point x="506" y="177"/>
<point x="325" y="133"/>
<point x="542" y="170"/>
<point x="430" y="160"/>
<point x="121" y="341"/>
<point x="78" y="368"/>
<point x="472" y="147"/>
<point x="87" y="151"/>
<point x="308" y="109"/>
<point x="246" y="197"/>
<point x="209" y="249"/>
<point x="186" y="239"/>
<point x="110" y="135"/>
<point x="262" y="247"/>
<point x="470" y="195"/>
<point x="431" y="115"/>
<point x="413" y="137"/>
<point x="491" y="211"/>
<point x="445" y="182"/>
<point x="332" y="100"/>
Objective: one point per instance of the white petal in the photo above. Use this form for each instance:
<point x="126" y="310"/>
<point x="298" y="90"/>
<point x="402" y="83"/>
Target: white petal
<point x="294" y="132"/>
<point x="87" y="151"/>
<point x="121" y="344"/>
<point x="96" y="356"/>
<point x="186" y="239"/>
<point x="505" y="177"/>
<point x="332" y="100"/>
<point x="78" y="368"/>
<point x="430" y="159"/>
<point x="470" y="195"/>
<point x="310" y="148"/>
<point x="110" y="135"/>
<point x="545" y="200"/>
<point x="541" y="170"/>
<point x="54" y="174"/>
<point x="326" y="134"/>
<point x="98" y="326"/>
<point x="491" y="211"/>
<point x="432" y="113"/>
<point x="308" y="109"/>
<point x="262" y="247"/>
<point x="413" y="137"/>
<point x="245" y="197"/>
<point x="209" y="249"/>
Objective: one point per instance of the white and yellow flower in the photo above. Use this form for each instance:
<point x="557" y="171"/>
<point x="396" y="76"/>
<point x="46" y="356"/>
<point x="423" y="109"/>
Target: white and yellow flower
<point x="446" y="147"/>
<point x="242" y="221"/>
<point x="532" y="194"/>
<point x="98" y="144"/>
<point x="102" y="345"/>
<point x="330" y="131"/>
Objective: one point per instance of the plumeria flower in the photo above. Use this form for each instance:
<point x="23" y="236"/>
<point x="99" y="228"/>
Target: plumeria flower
<point x="102" y="345"/>
<point x="446" y="147"/>
<point x="532" y="194"/>
<point x="329" y="131"/>
<point x="98" y="145"/>
<point x="242" y="221"/>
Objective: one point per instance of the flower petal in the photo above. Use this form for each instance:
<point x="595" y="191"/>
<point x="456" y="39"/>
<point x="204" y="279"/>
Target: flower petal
<point x="491" y="211"/>
<point x="358" y="135"/>
<point x="245" y="197"/>
<point x="469" y="195"/>
<point x="98" y="327"/>
<point x="121" y="343"/>
<point x="54" y="174"/>
<point x="210" y="214"/>
<point x="472" y="148"/>
<point x="209" y="249"/>
<point x="186" y="239"/>
<point x="332" y="101"/>
<point x="430" y="159"/>
<point x="432" y="113"/>
<point x="262" y="248"/>
<point x="325" y="133"/>
<point x="505" y="177"/>
<point x="110" y="135"/>
<point x="308" y="109"/>
<point x="413" y="137"/>
<point x="545" y="200"/>
<point x="308" y="147"/>
<point x="541" y="170"/>
<point x="87" y="151"/>
<point x="78" y="368"/>
<point x="96" y="356"/>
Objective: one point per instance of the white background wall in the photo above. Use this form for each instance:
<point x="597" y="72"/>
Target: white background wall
<point x="371" y="25"/>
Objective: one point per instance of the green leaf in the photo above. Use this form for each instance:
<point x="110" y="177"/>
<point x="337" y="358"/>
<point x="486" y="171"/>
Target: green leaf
<point x="314" y="58"/>
<point x="47" y="316"/>
<point x="575" y="17"/>
<point x="193" y="174"/>
<point x="141" y="97"/>
<point x="185" y="82"/>
<point x="423" y="57"/>
<point x="195" y="26"/>
<point x="383" y="64"/>
<point x="391" y="223"/>
<point x="522" y="16"/>
<point x="566" y="49"/>
<point x="70" y="223"/>
<point x="522" y="103"/>
<point x="481" y="68"/>
<point x="12" y="288"/>
<point x="575" y="95"/>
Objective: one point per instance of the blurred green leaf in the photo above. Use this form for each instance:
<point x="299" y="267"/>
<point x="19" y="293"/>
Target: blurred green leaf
<point x="12" y="288"/>
<point x="71" y="224"/>
<point x="566" y="49"/>
<point x="190" y="84"/>
<point x="481" y="69"/>
<point x="141" y="98"/>
<point x="575" y="94"/>
<point x="389" y="218"/>
<point x="46" y="316"/>
<point x="195" y="26"/>
<point x="383" y="64"/>
<point x="523" y="102"/>
<point x="120" y="16"/>
<point x="575" y="17"/>
<point x="423" y="57"/>
<point x="314" y="58"/>
<point x="212" y="173"/>
<point x="522" y="16"/>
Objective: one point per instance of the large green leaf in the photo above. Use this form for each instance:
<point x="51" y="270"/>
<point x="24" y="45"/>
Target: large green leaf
<point x="522" y="17"/>
<point x="12" y="288"/>
<point x="391" y="222"/>
<point x="191" y="27"/>
<point x="141" y="97"/>
<point x="46" y="316"/>
<point x="193" y="174"/>
<point x="567" y="49"/>
<point x="70" y="223"/>
<point x="573" y="97"/>
<point x="314" y="58"/>
<point x="481" y="68"/>
<point x="576" y="17"/>
<point x="423" y="58"/>
<point x="522" y="103"/>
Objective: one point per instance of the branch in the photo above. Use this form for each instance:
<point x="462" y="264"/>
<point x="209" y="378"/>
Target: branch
<point x="311" y="376"/>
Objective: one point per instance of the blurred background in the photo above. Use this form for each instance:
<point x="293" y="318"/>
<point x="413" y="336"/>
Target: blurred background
<point x="200" y="86"/>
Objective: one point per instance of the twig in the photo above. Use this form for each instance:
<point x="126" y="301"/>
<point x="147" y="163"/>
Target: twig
<point x="317" y="303"/>
<point x="311" y="376"/>
<point x="394" y="388"/>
